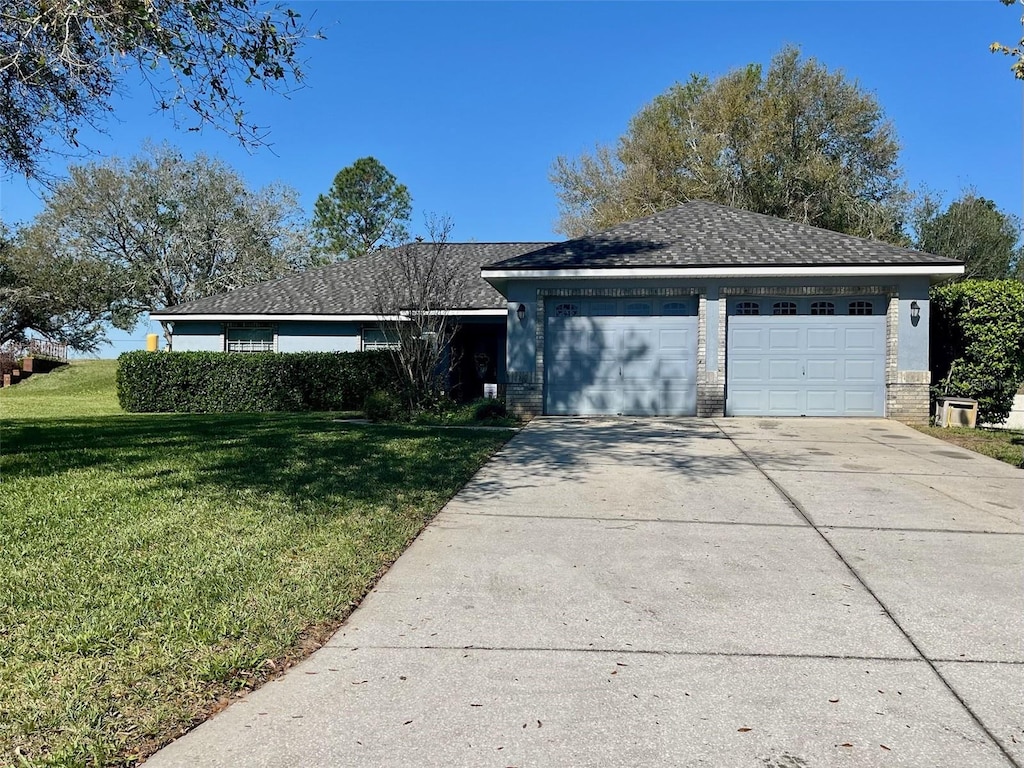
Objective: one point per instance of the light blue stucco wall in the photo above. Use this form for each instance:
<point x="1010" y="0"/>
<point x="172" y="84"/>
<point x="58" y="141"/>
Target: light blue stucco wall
<point x="292" y="336"/>
<point x="912" y="354"/>
<point x="318" y="337"/>
<point x="197" y="337"/>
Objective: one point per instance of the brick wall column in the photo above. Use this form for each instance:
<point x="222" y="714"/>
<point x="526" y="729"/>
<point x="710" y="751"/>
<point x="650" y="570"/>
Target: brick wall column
<point x="908" y="396"/>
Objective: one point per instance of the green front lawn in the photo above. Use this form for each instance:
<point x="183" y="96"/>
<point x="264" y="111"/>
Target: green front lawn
<point x="1003" y="444"/>
<point x="153" y="565"/>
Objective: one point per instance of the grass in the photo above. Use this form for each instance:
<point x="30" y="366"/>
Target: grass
<point x="151" y="566"/>
<point x="1003" y="444"/>
<point x="83" y="388"/>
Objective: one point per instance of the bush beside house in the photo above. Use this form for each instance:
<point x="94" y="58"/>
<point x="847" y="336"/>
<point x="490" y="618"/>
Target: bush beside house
<point x="220" y="382"/>
<point x="977" y="343"/>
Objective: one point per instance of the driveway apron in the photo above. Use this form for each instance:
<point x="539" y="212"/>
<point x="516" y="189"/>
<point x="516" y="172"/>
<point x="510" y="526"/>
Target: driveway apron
<point x="634" y="592"/>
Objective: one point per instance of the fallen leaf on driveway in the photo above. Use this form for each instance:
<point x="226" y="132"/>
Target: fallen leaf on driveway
<point x="846" y="744"/>
<point x="833" y="701"/>
<point x="744" y="730"/>
<point x="885" y="747"/>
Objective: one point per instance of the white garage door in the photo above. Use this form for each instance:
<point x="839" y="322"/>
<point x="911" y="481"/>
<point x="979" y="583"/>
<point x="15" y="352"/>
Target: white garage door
<point x="615" y="357"/>
<point x="806" y="357"/>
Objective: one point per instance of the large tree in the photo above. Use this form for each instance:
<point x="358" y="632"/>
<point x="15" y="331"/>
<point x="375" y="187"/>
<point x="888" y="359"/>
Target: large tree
<point x="416" y="296"/>
<point x="53" y="295"/>
<point x="1014" y="51"/>
<point x="973" y="230"/>
<point x="62" y="62"/>
<point x="172" y="228"/>
<point x="364" y="210"/>
<point x="795" y="141"/>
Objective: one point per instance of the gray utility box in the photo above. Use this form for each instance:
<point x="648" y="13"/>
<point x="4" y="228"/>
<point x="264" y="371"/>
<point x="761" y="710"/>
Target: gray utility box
<point x="956" y="412"/>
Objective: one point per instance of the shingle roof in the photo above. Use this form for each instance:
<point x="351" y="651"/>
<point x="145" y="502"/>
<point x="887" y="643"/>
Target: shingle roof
<point x="703" y="234"/>
<point x="349" y="287"/>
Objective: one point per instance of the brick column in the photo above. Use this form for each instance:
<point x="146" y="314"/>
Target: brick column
<point x="908" y="397"/>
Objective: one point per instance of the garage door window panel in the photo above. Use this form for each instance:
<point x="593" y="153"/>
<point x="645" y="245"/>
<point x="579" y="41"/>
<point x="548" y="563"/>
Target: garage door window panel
<point x="676" y="308"/>
<point x="784" y="308"/>
<point x="862" y="308"/>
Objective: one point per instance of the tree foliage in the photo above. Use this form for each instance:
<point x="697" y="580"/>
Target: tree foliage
<point x="416" y="299"/>
<point x="1014" y="51"/>
<point x="977" y="343"/>
<point x="62" y="62"/>
<point x="172" y="229"/>
<point x="973" y="230"/>
<point x="365" y="209"/>
<point x="796" y="141"/>
<point x="52" y="294"/>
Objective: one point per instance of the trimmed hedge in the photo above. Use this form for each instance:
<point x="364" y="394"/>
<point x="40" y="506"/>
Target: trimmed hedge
<point x="977" y="332"/>
<point x="222" y="382"/>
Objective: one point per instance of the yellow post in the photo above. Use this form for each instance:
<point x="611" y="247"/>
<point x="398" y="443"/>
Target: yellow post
<point x="152" y="342"/>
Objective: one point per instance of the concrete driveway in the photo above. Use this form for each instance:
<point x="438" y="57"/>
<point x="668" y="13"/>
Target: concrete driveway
<point x="737" y="592"/>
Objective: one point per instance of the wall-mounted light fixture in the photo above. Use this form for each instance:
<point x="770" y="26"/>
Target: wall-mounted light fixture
<point x="521" y="312"/>
<point x="915" y="313"/>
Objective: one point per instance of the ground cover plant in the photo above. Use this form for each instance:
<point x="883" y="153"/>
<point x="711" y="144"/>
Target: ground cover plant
<point x="1003" y="444"/>
<point x="153" y="565"/>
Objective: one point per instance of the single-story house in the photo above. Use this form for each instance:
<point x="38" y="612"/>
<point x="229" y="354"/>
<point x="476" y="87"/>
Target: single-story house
<point x="701" y="309"/>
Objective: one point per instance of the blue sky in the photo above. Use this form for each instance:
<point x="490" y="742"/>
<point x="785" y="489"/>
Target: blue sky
<point x="468" y="103"/>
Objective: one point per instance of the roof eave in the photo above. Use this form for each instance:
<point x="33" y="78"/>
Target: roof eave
<point x="228" y="317"/>
<point x="940" y="271"/>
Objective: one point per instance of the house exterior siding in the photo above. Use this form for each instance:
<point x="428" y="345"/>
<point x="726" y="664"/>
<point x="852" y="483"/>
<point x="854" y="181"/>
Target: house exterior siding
<point x="292" y="336"/>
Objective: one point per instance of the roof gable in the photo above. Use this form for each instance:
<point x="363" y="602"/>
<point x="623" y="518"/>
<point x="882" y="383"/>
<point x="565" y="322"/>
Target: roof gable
<point x="703" y="234"/>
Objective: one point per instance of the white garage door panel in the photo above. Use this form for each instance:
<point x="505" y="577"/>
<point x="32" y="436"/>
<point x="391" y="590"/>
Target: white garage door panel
<point x="780" y="339"/>
<point x="781" y="371"/>
<point x="820" y="371"/>
<point x="816" y="366"/>
<point x="630" y="365"/>
<point x="821" y="338"/>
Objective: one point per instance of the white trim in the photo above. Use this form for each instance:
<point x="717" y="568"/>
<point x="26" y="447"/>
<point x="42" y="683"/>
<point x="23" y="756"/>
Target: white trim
<point x="653" y="272"/>
<point x="270" y="318"/>
<point x="460" y="312"/>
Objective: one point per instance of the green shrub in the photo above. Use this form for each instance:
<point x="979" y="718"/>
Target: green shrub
<point x="384" y="406"/>
<point x="977" y="343"/>
<point x="489" y="408"/>
<point x="221" y="382"/>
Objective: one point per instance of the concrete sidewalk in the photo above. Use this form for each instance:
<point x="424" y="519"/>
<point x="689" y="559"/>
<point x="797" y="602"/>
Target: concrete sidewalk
<point x="739" y="592"/>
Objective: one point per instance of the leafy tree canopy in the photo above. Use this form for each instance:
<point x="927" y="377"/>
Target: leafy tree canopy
<point x="53" y="295"/>
<point x="1016" y="51"/>
<point x="172" y="229"/>
<point x="62" y="62"/>
<point x="977" y="343"/>
<point x="973" y="230"/>
<point x="796" y="141"/>
<point x="364" y="210"/>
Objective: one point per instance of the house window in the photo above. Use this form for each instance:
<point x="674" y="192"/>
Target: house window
<point x="680" y="308"/>
<point x="748" y="308"/>
<point x="784" y="308"/>
<point x="862" y="308"/>
<point x="567" y="310"/>
<point x="249" y="338"/>
<point x="638" y="308"/>
<point x="823" y="308"/>
<point x="375" y="338"/>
